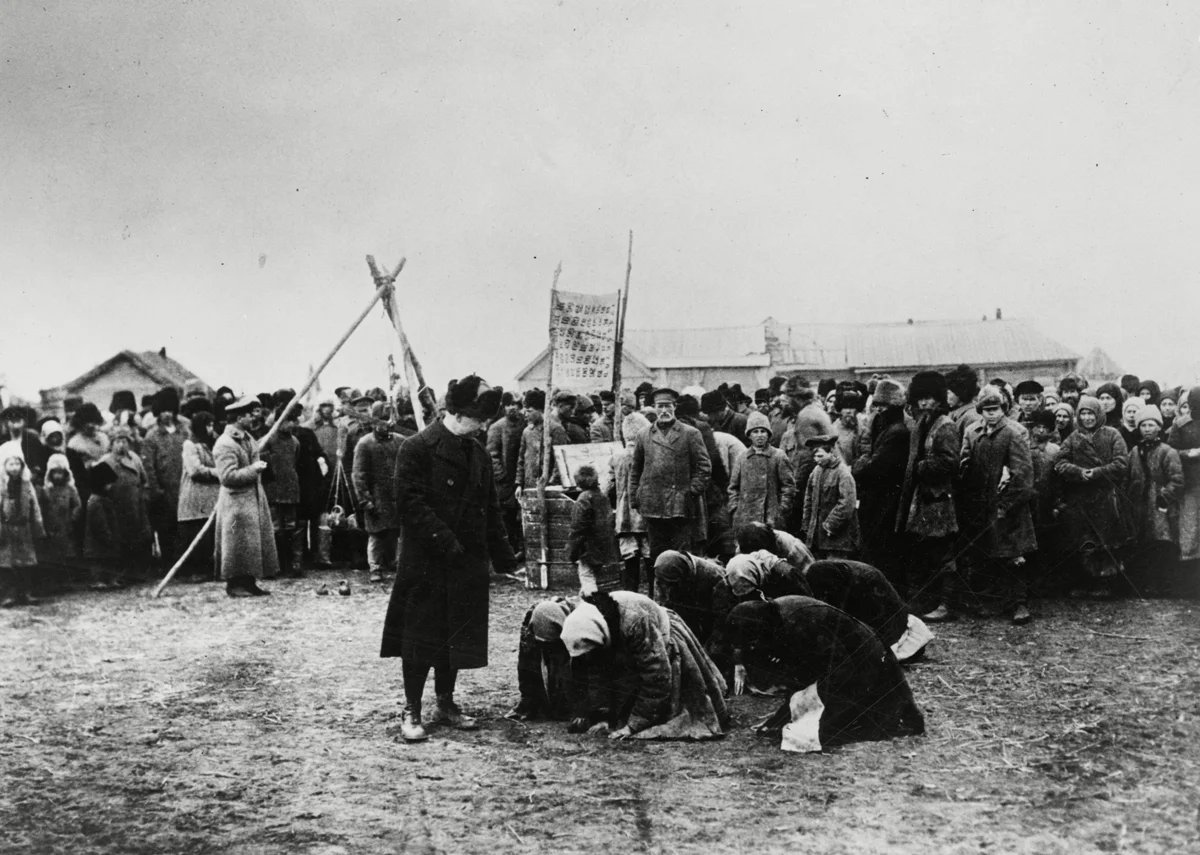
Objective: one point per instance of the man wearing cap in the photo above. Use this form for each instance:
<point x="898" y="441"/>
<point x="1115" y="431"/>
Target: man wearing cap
<point x="245" y="538"/>
<point x="450" y="528"/>
<point x="504" y="449"/>
<point x="162" y="455"/>
<point x="669" y="477"/>
<point x="1029" y="400"/>
<point x="601" y="427"/>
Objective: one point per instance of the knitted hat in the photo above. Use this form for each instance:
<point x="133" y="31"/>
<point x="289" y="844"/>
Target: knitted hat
<point x="889" y="393"/>
<point x="1150" y="413"/>
<point x="1064" y="407"/>
<point x="758" y="421"/>
<point x="584" y="630"/>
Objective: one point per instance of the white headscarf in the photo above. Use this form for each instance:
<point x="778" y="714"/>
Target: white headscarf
<point x="585" y="630"/>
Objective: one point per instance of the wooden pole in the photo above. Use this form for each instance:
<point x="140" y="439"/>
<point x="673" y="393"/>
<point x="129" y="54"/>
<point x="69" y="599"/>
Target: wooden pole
<point x="547" y="450"/>
<point x="312" y="378"/>
<point x="619" y="344"/>
<point x="412" y="366"/>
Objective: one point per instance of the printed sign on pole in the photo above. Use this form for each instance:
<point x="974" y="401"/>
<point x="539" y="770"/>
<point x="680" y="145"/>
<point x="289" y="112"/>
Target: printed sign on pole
<point x="584" y="330"/>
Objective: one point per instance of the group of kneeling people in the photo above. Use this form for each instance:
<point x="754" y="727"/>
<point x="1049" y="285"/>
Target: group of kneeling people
<point x="828" y="636"/>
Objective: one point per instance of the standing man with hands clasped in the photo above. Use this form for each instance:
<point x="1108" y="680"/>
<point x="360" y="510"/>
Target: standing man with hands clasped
<point x="450" y="528"/>
<point x="245" y="540"/>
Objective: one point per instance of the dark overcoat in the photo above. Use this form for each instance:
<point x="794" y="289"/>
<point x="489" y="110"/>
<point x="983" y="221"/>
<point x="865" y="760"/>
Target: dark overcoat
<point x="446" y="499"/>
<point x="375" y="480"/>
<point x="671" y="472"/>
<point x="1003" y="508"/>
<point x="927" y="498"/>
<point x="879" y="476"/>
<point x="1092" y="513"/>
<point x="504" y="447"/>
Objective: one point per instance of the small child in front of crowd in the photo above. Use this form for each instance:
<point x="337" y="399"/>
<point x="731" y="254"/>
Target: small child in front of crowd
<point x="20" y="530"/>
<point x="1155" y="487"/>
<point x="592" y="544"/>
<point x="102" y="547"/>
<point x="62" y="512"/>
<point x="830" y="521"/>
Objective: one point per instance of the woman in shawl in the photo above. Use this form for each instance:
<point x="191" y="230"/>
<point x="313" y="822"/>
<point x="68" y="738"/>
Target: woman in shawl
<point x="129" y="498"/>
<point x="655" y="679"/>
<point x="1185" y="439"/>
<point x="1092" y="467"/>
<point x="541" y="647"/>
<point x="842" y="683"/>
<point x="20" y="528"/>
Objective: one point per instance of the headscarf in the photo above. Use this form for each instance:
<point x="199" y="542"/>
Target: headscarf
<point x="51" y="427"/>
<point x="547" y="618"/>
<point x="59" y="461"/>
<point x="585" y="630"/>
<point x="673" y="567"/>
<point x="1087" y="402"/>
<point x="12" y="449"/>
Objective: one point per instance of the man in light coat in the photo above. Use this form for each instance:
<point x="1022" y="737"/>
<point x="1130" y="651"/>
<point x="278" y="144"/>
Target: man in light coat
<point x="670" y="474"/>
<point x="245" y="540"/>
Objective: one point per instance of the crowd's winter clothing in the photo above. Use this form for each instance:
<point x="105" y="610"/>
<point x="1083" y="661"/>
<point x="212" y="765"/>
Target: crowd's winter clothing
<point x="1185" y="439"/>
<point x="1155" y="486"/>
<point x="879" y="476"/>
<point x="540" y="647"/>
<point x="862" y="592"/>
<point x="20" y="528"/>
<point x="687" y="584"/>
<point x="374" y="478"/>
<point x="668" y="479"/>
<point x="592" y="540"/>
<point x="762" y="487"/>
<point x="129" y="497"/>
<point x="829" y="521"/>
<point x="62" y="514"/>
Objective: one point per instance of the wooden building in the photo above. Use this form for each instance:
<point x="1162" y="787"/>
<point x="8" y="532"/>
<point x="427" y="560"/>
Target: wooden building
<point x="142" y="373"/>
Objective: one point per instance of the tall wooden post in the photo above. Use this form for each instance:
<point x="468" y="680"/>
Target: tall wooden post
<point x="547" y="450"/>
<point x="417" y="390"/>
<point x="619" y="344"/>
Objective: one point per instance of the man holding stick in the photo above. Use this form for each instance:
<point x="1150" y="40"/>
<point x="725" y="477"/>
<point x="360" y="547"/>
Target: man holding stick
<point x="450" y="528"/>
<point x="245" y="544"/>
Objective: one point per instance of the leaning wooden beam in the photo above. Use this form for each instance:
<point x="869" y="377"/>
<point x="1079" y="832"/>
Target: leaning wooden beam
<point x="414" y="376"/>
<point x="380" y="293"/>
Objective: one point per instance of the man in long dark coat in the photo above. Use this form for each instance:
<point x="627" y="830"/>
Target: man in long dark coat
<point x="450" y="527"/>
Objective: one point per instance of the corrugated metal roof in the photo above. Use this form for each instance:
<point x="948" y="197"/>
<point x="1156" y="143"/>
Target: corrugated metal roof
<point x="679" y="348"/>
<point x="932" y="343"/>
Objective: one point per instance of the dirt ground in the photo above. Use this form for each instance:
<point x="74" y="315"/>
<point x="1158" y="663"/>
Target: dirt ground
<point x="195" y="723"/>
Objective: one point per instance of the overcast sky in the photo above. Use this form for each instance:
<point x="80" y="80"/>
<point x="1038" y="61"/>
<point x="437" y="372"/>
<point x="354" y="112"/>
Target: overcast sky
<point x="208" y="176"/>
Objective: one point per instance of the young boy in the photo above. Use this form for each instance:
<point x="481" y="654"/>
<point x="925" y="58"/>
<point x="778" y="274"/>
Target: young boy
<point x="1155" y="486"/>
<point x="592" y="542"/>
<point x="830" y="523"/>
<point x="20" y="529"/>
<point x="102" y="545"/>
<point x="62" y="512"/>
<point x="762" y="487"/>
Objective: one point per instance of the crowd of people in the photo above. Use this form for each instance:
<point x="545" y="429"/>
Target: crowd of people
<point x="798" y="540"/>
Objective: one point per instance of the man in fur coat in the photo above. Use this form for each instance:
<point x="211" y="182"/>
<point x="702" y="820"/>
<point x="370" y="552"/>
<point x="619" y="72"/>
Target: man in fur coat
<point x="450" y="528"/>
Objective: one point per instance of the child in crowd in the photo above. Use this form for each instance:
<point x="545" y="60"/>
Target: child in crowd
<point x="830" y="523"/>
<point x="1155" y="487"/>
<point x="62" y="513"/>
<point x="762" y="487"/>
<point x="20" y="529"/>
<point x="592" y="542"/>
<point x="102" y="546"/>
<point x="632" y="540"/>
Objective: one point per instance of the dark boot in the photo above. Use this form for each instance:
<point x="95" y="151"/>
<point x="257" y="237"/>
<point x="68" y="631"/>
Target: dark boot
<point x="631" y="574"/>
<point x="297" y="553"/>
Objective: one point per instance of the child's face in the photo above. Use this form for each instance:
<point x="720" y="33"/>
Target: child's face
<point x="13" y="467"/>
<point x="120" y="445"/>
<point x="759" y="437"/>
<point x="58" y="477"/>
<point x="1040" y="433"/>
<point x="823" y="456"/>
<point x="992" y="415"/>
<point x="1149" y="429"/>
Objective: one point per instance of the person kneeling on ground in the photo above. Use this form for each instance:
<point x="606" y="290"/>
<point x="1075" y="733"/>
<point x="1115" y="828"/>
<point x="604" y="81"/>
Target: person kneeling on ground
<point x="842" y="683"/>
<point x="756" y="535"/>
<point x="687" y="584"/>
<point x="541" y="645"/>
<point x="655" y="678"/>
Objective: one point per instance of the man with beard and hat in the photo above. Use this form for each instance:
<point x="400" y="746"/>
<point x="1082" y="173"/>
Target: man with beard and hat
<point x="450" y="528"/>
<point x="245" y="538"/>
<point x="669" y="477"/>
<point x="162" y="456"/>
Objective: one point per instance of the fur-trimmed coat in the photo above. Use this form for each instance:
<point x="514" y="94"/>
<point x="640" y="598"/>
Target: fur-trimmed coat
<point x="927" y="498"/>
<point x="245" y="539"/>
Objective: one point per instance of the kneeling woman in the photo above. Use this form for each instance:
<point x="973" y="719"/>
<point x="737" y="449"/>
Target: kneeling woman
<point x="645" y="667"/>
<point x="842" y="683"/>
<point x="687" y="585"/>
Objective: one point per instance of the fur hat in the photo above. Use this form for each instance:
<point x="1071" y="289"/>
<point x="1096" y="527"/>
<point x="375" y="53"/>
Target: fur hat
<point x="927" y="384"/>
<point x="758" y="421"/>
<point x="713" y="402"/>
<point x="1043" y="418"/>
<point x="1193" y="401"/>
<point x="586" y="477"/>
<point x="633" y="425"/>
<point x="1113" y="391"/>
<point x="13" y="413"/>
<point x="562" y="396"/>
<point x="535" y="399"/>
<point x="762" y="396"/>
<point x="606" y="396"/>
<point x="686" y="407"/>
<point x="507" y="399"/>
<point x="1130" y="383"/>
<point x="825" y="440"/>
<point x="195" y="388"/>
<point x="734" y="395"/>
<point x="122" y="400"/>
<point x="889" y="393"/>
<point x="265" y="399"/>
<point x="166" y="400"/>
<point x="194" y="406"/>
<point x="991" y="396"/>
<point x="798" y="386"/>
<point x="825" y="386"/>
<point x="1029" y="387"/>
<point x="644" y="389"/>
<point x="776" y="384"/>
<point x="100" y="476"/>
<point x="1150" y="413"/>
<point x="473" y="398"/>
<point x="1071" y="382"/>
<point x="87" y="414"/>
<point x="850" y="399"/>
<point x="963" y="381"/>
<point x="147" y="401"/>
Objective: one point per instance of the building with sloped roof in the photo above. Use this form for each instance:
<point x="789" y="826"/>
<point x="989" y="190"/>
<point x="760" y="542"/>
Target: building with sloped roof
<point x="140" y="372"/>
<point x="751" y="355"/>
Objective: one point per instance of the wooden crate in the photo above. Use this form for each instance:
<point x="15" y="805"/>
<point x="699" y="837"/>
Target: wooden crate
<point x="561" y="573"/>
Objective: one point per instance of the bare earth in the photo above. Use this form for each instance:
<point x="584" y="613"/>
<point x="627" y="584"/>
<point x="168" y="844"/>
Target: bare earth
<point x="196" y="723"/>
